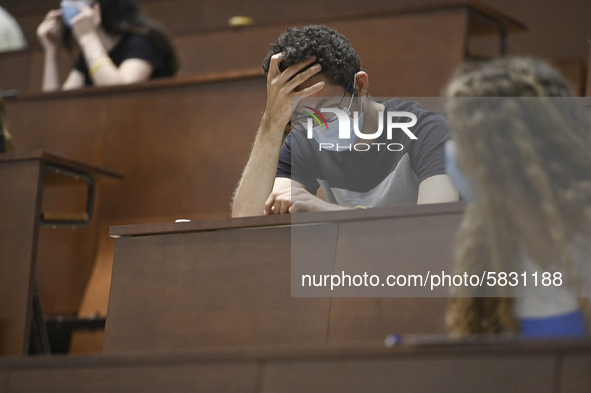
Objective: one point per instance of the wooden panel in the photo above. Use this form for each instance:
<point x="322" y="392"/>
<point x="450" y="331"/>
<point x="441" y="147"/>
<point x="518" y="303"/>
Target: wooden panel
<point x="190" y="16"/>
<point x="184" y="152"/>
<point x="3" y="381"/>
<point x="248" y="50"/>
<point x="397" y="67"/>
<point x="19" y="209"/>
<point x="453" y="374"/>
<point x="141" y="302"/>
<point x="72" y="128"/>
<point x="400" y="66"/>
<point x="575" y="376"/>
<point x="66" y="125"/>
<point x="371" y="320"/>
<point x="18" y="7"/>
<point x="64" y="264"/>
<point x="402" y="242"/>
<point x="588" y="90"/>
<point x="504" y="366"/>
<point x="65" y="255"/>
<point x="145" y="379"/>
<point x="187" y="16"/>
<point x="13" y="70"/>
<point x="402" y="250"/>
<point x="210" y="289"/>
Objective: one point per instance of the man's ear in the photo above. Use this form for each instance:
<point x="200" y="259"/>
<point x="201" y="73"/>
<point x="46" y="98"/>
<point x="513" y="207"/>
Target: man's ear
<point x="362" y="83"/>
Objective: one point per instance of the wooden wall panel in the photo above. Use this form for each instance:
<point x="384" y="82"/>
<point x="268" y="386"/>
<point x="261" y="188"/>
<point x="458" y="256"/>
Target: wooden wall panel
<point x="403" y="67"/>
<point x="512" y="367"/>
<point x="204" y="378"/>
<point x="211" y="289"/>
<point x="20" y="195"/>
<point x="462" y="374"/>
<point x="64" y="263"/>
<point x="3" y="381"/>
<point x="398" y="52"/>
<point x="349" y="317"/>
<point x="407" y="245"/>
<point x="13" y="70"/>
<point x="353" y="319"/>
<point x="181" y="150"/>
<point x="73" y="128"/>
<point x="182" y="17"/>
<point x="208" y="52"/>
<point x="189" y="16"/>
<point x="575" y="373"/>
<point x="29" y="24"/>
<point x="69" y="126"/>
<point x="588" y="89"/>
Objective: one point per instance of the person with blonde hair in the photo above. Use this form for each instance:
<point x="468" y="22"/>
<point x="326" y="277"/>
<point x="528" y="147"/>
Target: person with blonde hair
<point x="522" y="160"/>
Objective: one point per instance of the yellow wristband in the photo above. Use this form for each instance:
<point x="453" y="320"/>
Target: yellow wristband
<point x="100" y="63"/>
<point x="360" y="207"/>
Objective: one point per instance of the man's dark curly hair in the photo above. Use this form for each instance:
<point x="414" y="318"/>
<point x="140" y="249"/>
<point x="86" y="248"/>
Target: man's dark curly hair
<point x="332" y="50"/>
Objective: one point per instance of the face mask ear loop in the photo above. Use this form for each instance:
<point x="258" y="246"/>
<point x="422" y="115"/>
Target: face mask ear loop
<point x="352" y="95"/>
<point x="360" y="100"/>
<point x="360" y="104"/>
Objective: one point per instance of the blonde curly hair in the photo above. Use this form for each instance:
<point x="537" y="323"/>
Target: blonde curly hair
<point x="530" y="160"/>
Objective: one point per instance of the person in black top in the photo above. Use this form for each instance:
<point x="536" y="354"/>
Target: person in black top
<point x="119" y="45"/>
<point x="314" y="68"/>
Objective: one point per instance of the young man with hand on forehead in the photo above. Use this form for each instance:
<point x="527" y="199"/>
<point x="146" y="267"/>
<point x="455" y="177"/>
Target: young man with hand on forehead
<point x="316" y="64"/>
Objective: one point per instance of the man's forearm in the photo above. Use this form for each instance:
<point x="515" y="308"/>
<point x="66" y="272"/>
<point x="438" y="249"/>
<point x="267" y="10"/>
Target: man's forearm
<point x="258" y="176"/>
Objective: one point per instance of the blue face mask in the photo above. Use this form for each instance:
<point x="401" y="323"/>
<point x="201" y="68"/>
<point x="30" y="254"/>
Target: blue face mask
<point x="70" y="10"/>
<point x="458" y="178"/>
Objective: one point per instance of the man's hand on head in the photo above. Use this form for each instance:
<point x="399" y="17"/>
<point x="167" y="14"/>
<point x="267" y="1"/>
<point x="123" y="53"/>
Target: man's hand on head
<point x="294" y="200"/>
<point x="281" y="88"/>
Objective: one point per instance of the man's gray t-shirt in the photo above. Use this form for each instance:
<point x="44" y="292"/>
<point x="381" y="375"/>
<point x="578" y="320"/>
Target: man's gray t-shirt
<point x="371" y="178"/>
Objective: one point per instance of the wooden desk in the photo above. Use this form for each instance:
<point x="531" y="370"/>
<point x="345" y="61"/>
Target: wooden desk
<point x="22" y="178"/>
<point x="227" y="283"/>
<point x="508" y="367"/>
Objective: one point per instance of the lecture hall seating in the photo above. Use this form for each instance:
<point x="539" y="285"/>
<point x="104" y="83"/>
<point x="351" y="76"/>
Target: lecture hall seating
<point x="178" y="134"/>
